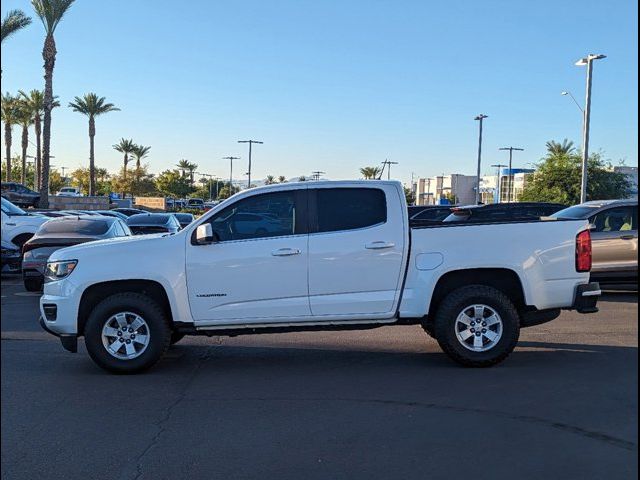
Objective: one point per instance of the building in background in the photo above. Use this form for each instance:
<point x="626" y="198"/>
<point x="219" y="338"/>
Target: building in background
<point x="508" y="187"/>
<point x="632" y="175"/>
<point x="446" y="189"/>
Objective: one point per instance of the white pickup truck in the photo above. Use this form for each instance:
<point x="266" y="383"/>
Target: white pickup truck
<point x="317" y="256"/>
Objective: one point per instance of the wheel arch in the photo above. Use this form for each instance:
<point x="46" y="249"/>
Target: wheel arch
<point x="503" y="279"/>
<point x="95" y="293"/>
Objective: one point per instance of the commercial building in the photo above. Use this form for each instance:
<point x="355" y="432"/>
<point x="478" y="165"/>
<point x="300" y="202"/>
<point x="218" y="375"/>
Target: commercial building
<point x="505" y="187"/>
<point x="444" y="189"/>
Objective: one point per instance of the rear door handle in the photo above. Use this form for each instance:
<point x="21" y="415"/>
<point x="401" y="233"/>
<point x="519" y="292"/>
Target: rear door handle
<point x="379" y="245"/>
<point x="285" y="252"/>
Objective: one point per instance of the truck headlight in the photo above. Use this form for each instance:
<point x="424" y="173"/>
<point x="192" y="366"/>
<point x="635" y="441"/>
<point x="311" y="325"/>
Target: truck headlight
<point x="59" y="270"/>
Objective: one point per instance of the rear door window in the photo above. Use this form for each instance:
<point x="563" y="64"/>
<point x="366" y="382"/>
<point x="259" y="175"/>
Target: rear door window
<point x="340" y="209"/>
<point x="620" y="219"/>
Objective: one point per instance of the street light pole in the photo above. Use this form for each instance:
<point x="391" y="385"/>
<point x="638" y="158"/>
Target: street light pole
<point x="480" y="118"/>
<point x="588" y="61"/>
<point x="250" y="142"/>
<point x="231" y="159"/>
<point x="510" y="176"/>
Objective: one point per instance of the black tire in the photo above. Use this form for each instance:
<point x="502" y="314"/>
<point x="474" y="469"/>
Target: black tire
<point x="145" y="307"/>
<point x="455" y="303"/>
<point x="33" y="284"/>
<point x="428" y="328"/>
<point x="176" y="337"/>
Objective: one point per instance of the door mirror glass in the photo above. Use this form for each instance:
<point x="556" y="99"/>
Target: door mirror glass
<point x="205" y="235"/>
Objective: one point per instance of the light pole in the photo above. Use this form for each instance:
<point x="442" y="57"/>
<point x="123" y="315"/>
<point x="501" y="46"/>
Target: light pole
<point x="572" y="98"/>
<point x="480" y="118"/>
<point x="510" y="190"/>
<point x="231" y="159"/>
<point x="498" y="166"/>
<point x="316" y="175"/>
<point x="588" y="61"/>
<point x="250" y="142"/>
<point x="209" y="176"/>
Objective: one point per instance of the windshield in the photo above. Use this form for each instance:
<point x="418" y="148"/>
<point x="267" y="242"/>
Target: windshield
<point x="576" y="212"/>
<point x="10" y="209"/>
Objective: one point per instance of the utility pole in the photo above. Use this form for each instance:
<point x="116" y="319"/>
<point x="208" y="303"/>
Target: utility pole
<point x="231" y="159"/>
<point x="316" y="175"/>
<point x="498" y="166"/>
<point x="250" y="142"/>
<point x="510" y="175"/>
<point x="480" y="118"/>
<point x="385" y="164"/>
<point x="588" y="61"/>
<point x="209" y="176"/>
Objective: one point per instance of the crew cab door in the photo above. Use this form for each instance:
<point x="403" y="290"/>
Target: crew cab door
<point x="257" y="268"/>
<point x="357" y="247"/>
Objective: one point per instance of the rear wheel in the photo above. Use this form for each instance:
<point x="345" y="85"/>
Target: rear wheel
<point x="127" y="333"/>
<point x="477" y="326"/>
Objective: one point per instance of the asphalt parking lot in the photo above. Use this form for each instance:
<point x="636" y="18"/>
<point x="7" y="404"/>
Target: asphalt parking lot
<point x="383" y="403"/>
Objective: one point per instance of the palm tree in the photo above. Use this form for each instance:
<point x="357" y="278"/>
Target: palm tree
<point x="186" y="166"/>
<point x="127" y="147"/>
<point x="91" y="105"/>
<point x="10" y="113"/>
<point x="556" y="149"/>
<point x="25" y="120"/>
<point x="269" y="180"/>
<point x="14" y="20"/>
<point x="50" y="13"/>
<point x="140" y="152"/>
<point x="34" y="101"/>
<point x="370" y="173"/>
<point x="282" y="179"/>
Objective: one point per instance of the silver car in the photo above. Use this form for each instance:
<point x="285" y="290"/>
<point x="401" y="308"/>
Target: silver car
<point x="614" y="232"/>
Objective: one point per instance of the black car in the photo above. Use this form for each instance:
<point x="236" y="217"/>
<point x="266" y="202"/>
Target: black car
<point x="146" y="223"/>
<point x="11" y="256"/>
<point x="430" y="215"/>
<point x="184" y="219"/>
<point x="503" y="212"/>
<point x="20" y="195"/>
<point x="63" y="232"/>
<point x="128" y="211"/>
<point x="111" y="213"/>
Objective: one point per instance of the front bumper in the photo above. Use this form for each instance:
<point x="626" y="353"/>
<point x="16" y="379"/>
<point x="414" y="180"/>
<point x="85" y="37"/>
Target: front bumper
<point x="586" y="298"/>
<point x="69" y="342"/>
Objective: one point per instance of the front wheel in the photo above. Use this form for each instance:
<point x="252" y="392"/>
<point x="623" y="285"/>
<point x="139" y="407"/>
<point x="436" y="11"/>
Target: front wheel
<point x="477" y="326"/>
<point x="127" y="333"/>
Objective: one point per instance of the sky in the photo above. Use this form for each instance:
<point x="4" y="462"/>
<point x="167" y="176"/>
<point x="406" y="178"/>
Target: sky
<point x="335" y="85"/>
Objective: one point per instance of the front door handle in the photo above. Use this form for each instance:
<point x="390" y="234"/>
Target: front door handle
<point x="285" y="252"/>
<point x="628" y="237"/>
<point x="379" y="245"/>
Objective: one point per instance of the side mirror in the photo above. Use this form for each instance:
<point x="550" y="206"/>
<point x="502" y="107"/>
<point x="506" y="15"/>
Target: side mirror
<point x="205" y="235"/>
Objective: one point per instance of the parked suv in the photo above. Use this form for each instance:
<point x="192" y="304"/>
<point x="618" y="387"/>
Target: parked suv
<point x="614" y="230"/>
<point x="20" y="195"/>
